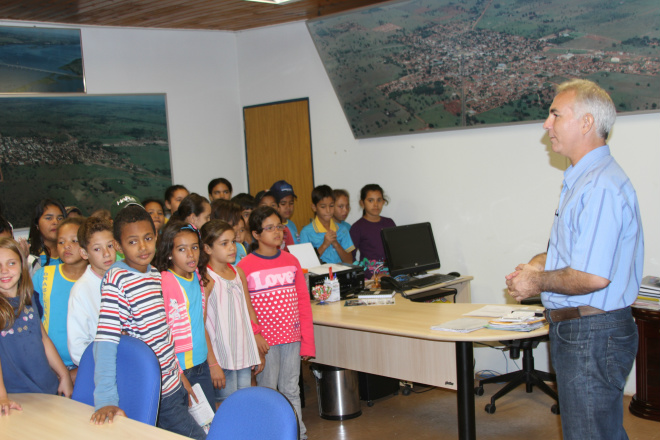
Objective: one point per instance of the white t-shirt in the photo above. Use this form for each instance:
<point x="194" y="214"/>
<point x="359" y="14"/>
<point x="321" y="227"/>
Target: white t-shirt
<point x="84" y="306"/>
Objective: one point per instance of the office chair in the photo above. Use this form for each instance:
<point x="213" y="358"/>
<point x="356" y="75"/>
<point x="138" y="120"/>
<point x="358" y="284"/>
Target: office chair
<point x="138" y="379"/>
<point x="255" y="413"/>
<point x="528" y="375"/>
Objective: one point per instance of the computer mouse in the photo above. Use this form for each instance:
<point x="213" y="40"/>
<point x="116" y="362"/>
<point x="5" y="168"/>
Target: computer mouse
<point x="454" y="274"/>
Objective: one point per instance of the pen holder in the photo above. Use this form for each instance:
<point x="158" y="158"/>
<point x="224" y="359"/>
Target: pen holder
<point x="321" y="293"/>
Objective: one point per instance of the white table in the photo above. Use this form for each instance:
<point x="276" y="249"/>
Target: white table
<point x="46" y="417"/>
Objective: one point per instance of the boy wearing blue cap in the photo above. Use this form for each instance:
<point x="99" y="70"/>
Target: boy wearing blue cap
<point x="285" y="197"/>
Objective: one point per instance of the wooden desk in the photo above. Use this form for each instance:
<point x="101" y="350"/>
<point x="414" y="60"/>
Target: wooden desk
<point x="397" y="341"/>
<point x="646" y="401"/>
<point x="48" y="417"/>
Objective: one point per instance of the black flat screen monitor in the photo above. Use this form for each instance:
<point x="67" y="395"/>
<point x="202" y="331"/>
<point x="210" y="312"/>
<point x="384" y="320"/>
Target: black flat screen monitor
<point x="410" y="249"/>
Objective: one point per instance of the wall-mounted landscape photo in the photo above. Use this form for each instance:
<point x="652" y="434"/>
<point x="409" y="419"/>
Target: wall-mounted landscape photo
<point x="411" y="66"/>
<point x="40" y="60"/>
<point x="84" y="151"/>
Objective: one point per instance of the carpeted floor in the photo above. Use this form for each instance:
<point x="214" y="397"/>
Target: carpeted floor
<point x="432" y="415"/>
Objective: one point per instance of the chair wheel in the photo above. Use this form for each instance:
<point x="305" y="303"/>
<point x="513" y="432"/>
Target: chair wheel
<point x="479" y="391"/>
<point x="370" y="403"/>
<point x="555" y="408"/>
<point x="490" y="408"/>
<point x="406" y="391"/>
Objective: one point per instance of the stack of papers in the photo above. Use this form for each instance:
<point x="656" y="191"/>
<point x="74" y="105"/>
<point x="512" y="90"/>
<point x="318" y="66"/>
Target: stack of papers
<point x="461" y="325"/>
<point x="518" y="321"/>
<point x="649" y="293"/>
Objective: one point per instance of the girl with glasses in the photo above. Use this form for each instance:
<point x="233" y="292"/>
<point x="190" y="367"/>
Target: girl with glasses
<point x="280" y="298"/>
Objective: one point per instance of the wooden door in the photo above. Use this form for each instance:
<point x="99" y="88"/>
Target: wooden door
<point x="279" y="147"/>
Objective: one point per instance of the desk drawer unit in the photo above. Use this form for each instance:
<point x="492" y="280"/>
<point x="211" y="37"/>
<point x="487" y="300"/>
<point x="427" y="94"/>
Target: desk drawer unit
<point x="410" y="359"/>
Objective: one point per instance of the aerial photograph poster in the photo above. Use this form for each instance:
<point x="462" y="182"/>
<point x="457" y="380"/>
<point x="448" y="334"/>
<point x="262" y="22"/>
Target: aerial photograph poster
<point x="419" y="65"/>
<point x="84" y="151"/>
<point x="41" y="60"/>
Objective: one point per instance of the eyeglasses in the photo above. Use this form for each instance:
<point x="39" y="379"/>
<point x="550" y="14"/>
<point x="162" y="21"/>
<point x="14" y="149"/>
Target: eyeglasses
<point x="271" y="228"/>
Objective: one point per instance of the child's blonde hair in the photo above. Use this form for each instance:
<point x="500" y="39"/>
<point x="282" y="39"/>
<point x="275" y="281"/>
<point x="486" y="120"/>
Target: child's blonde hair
<point x="25" y="289"/>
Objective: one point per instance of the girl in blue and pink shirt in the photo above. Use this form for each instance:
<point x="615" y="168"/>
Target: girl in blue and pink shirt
<point x="177" y="258"/>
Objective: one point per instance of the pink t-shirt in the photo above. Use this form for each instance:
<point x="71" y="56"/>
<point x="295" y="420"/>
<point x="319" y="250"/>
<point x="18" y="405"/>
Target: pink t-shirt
<point x="281" y="300"/>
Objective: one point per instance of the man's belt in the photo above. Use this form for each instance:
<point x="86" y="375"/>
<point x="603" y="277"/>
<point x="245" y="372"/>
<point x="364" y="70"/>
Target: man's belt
<point x="568" y="313"/>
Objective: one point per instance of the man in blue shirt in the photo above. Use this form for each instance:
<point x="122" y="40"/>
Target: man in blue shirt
<point x="591" y="272"/>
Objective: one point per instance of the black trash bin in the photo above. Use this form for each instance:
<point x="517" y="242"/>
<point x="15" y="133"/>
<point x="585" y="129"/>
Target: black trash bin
<point x="337" y="392"/>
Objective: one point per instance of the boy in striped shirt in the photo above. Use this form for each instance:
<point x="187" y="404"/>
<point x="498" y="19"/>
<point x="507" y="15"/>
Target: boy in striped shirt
<point x="132" y="302"/>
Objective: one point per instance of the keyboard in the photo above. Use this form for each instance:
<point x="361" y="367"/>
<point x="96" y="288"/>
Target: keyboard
<point x="418" y="283"/>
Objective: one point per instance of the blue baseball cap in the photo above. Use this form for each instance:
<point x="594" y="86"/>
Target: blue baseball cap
<point x="282" y="189"/>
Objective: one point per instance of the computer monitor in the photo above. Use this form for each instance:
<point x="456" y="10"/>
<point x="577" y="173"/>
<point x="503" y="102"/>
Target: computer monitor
<point x="410" y="249"/>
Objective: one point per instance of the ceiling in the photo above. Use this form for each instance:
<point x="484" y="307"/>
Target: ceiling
<point x="228" y="15"/>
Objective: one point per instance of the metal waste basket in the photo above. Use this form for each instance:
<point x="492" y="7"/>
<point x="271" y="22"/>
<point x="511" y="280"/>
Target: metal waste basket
<point x="337" y="392"/>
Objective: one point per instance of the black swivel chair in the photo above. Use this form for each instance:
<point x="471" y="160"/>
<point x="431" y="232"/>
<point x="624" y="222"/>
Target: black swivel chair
<point x="528" y="375"/>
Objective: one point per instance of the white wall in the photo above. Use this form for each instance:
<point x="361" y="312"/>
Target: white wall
<point x="490" y="193"/>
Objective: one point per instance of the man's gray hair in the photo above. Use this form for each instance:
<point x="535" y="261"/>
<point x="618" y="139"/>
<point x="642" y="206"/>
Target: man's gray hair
<point x="591" y="98"/>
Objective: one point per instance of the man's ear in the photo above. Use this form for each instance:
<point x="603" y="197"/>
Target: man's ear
<point x="117" y="246"/>
<point x="255" y="235"/>
<point x="83" y="254"/>
<point x="314" y="208"/>
<point x="588" y="123"/>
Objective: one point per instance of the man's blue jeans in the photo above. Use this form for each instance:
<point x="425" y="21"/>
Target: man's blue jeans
<point x="592" y="357"/>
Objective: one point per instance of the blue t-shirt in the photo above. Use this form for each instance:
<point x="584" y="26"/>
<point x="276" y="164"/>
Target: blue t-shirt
<point x="315" y="232"/>
<point x="25" y="367"/>
<point x="52" y="262"/>
<point x="344" y="224"/>
<point x="193" y="292"/>
<point x="293" y="229"/>
<point x="54" y="289"/>
<point x="240" y="253"/>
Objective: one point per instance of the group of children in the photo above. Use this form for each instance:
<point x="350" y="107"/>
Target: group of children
<point x="212" y="290"/>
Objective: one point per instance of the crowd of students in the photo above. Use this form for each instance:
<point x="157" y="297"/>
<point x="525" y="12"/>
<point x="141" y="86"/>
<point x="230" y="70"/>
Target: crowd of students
<point x="212" y="290"/>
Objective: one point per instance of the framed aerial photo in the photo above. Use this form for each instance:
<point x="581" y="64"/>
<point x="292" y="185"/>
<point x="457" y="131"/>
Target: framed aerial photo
<point x="83" y="150"/>
<point x="418" y="65"/>
<point x="41" y="60"/>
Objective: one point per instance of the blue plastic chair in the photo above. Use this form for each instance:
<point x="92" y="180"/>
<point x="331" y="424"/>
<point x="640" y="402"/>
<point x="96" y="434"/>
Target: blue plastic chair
<point x="138" y="379"/>
<point x="235" y="419"/>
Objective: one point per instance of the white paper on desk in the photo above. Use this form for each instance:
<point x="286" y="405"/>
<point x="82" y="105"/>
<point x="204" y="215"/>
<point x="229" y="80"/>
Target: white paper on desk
<point x="305" y="254"/>
<point x="324" y="269"/>
<point x="201" y="410"/>
<point x="461" y="325"/>
<point x="491" y="311"/>
<point x="379" y="301"/>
